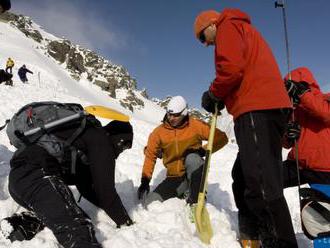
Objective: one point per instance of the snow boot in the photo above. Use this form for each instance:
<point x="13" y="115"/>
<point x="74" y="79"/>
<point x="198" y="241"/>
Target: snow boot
<point x="22" y="226"/>
<point x="249" y="243"/>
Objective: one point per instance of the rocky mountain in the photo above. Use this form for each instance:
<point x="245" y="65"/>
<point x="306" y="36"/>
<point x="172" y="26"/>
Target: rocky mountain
<point x="84" y="63"/>
<point x="81" y="62"/>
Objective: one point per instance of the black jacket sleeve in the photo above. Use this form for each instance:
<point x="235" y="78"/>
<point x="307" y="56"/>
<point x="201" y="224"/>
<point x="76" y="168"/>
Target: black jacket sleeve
<point x="101" y="157"/>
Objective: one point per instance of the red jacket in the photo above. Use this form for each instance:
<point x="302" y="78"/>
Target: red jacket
<point x="247" y="75"/>
<point x="313" y="115"/>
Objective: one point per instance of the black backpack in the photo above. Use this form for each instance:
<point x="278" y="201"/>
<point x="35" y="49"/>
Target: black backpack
<point x="36" y="122"/>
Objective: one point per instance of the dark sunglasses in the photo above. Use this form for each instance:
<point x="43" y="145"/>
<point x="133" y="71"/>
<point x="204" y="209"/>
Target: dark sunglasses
<point x="202" y="37"/>
<point x="175" y="115"/>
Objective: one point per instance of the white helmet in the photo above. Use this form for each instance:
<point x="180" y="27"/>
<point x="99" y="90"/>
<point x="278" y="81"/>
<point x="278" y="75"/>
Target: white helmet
<point x="177" y="105"/>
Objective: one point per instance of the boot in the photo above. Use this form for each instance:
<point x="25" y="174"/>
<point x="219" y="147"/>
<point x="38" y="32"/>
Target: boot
<point x="249" y="243"/>
<point x="22" y="226"/>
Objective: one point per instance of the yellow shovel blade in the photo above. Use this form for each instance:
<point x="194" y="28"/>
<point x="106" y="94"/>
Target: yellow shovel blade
<point x="106" y="112"/>
<point x="202" y="221"/>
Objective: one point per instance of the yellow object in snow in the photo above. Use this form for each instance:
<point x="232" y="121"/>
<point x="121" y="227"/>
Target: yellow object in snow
<point x="107" y="113"/>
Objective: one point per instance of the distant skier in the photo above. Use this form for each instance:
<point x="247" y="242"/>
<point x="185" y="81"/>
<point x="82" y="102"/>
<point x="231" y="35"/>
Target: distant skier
<point x="4" y="5"/>
<point x="311" y="130"/>
<point x="6" y="77"/>
<point x="39" y="183"/>
<point x="22" y="73"/>
<point x="248" y="82"/>
<point x="178" y="140"/>
<point x="9" y="65"/>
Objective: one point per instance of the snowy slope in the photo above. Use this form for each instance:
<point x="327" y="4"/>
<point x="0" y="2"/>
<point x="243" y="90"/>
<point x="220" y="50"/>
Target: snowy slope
<point x="164" y="225"/>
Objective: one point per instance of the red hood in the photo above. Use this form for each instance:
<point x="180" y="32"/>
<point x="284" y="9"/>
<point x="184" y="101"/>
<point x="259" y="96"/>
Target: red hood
<point x="233" y="14"/>
<point x="304" y="74"/>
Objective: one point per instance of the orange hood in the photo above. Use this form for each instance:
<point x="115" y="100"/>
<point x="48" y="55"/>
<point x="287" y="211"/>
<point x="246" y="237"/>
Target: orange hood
<point x="304" y="74"/>
<point x="233" y="14"/>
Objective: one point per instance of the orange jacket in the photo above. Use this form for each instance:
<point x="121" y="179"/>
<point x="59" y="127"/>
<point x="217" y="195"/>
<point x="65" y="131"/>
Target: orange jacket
<point x="313" y="115"/>
<point x="247" y="75"/>
<point x="173" y="142"/>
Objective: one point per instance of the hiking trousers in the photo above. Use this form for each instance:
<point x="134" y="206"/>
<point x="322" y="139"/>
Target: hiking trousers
<point x="51" y="200"/>
<point x="258" y="180"/>
<point x="186" y="186"/>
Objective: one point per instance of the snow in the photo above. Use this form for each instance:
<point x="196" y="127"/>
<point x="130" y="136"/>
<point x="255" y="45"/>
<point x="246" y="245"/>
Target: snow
<point x="163" y="225"/>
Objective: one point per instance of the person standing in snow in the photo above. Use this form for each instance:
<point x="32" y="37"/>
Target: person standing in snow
<point x="248" y="82"/>
<point x="4" y="76"/>
<point x="178" y="140"/>
<point x="39" y="183"/>
<point x="9" y="65"/>
<point x="22" y="73"/>
<point x="4" y="6"/>
<point x="311" y="130"/>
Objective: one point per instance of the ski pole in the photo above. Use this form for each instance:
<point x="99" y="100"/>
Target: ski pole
<point x="281" y="4"/>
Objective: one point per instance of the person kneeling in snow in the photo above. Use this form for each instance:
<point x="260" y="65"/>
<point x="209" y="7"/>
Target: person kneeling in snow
<point x="311" y="133"/>
<point x="311" y="130"/>
<point x="39" y="183"/>
<point x="179" y="141"/>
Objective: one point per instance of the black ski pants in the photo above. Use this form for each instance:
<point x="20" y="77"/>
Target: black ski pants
<point x="290" y="177"/>
<point x="50" y="199"/>
<point x="257" y="179"/>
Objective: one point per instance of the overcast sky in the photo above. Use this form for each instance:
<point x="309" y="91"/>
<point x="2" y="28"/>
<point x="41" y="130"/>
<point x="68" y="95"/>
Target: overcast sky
<point x="154" y="39"/>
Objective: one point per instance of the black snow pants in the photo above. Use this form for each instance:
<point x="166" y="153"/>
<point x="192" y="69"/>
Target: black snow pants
<point x="258" y="180"/>
<point x="49" y="198"/>
<point x="290" y="177"/>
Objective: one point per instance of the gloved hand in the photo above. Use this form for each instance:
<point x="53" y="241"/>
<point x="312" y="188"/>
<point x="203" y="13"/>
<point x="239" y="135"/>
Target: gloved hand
<point x="296" y="90"/>
<point x="292" y="133"/>
<point x="209" y="101"/>
<point x="144" y="187"/>
<point x="200" y="151"/>
<point x="129" y="222"/>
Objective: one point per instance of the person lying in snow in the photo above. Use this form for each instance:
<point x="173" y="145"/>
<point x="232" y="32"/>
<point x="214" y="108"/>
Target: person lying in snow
<point x="311" y="130"/>
<point x="39" y="183"/>
<point x="178" y="140"/>
<point x="4" y="6"/>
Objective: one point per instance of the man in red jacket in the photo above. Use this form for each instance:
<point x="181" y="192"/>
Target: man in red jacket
<point x="311" y="129"/>
<point x="248" y="82"/>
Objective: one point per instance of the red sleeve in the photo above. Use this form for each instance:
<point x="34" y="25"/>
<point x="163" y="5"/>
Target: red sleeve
<point x="316" y="105"/>
<point x="229" y="60"/>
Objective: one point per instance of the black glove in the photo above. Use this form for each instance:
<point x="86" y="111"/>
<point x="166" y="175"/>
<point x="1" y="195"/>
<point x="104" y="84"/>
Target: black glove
<point x="129" y="222"/>
<point x="209" y="101"/>
<point x="200" y="151"/>
<point x="296" y="90"/>
<point x="292" y="133"/>
<point x="144" y="187"/>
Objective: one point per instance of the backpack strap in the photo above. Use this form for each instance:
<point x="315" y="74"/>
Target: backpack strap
<point x="324" y="212"/>
<point x="2" y="127"/>
<point x="73" y="149"/>
<point x="314" y="196"/>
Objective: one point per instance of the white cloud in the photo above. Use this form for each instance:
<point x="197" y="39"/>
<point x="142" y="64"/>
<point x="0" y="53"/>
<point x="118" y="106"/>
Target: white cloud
<point x="65" y="19"/>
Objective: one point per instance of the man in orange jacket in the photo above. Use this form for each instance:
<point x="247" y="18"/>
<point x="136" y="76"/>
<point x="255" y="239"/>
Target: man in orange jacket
<point x="248" y="82"/>
<point x="311" y="130"/>
<point x="178" y="140"/>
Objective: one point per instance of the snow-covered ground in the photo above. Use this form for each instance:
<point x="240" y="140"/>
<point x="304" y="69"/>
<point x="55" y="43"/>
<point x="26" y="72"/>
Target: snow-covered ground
<point x="163" y="225"/>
